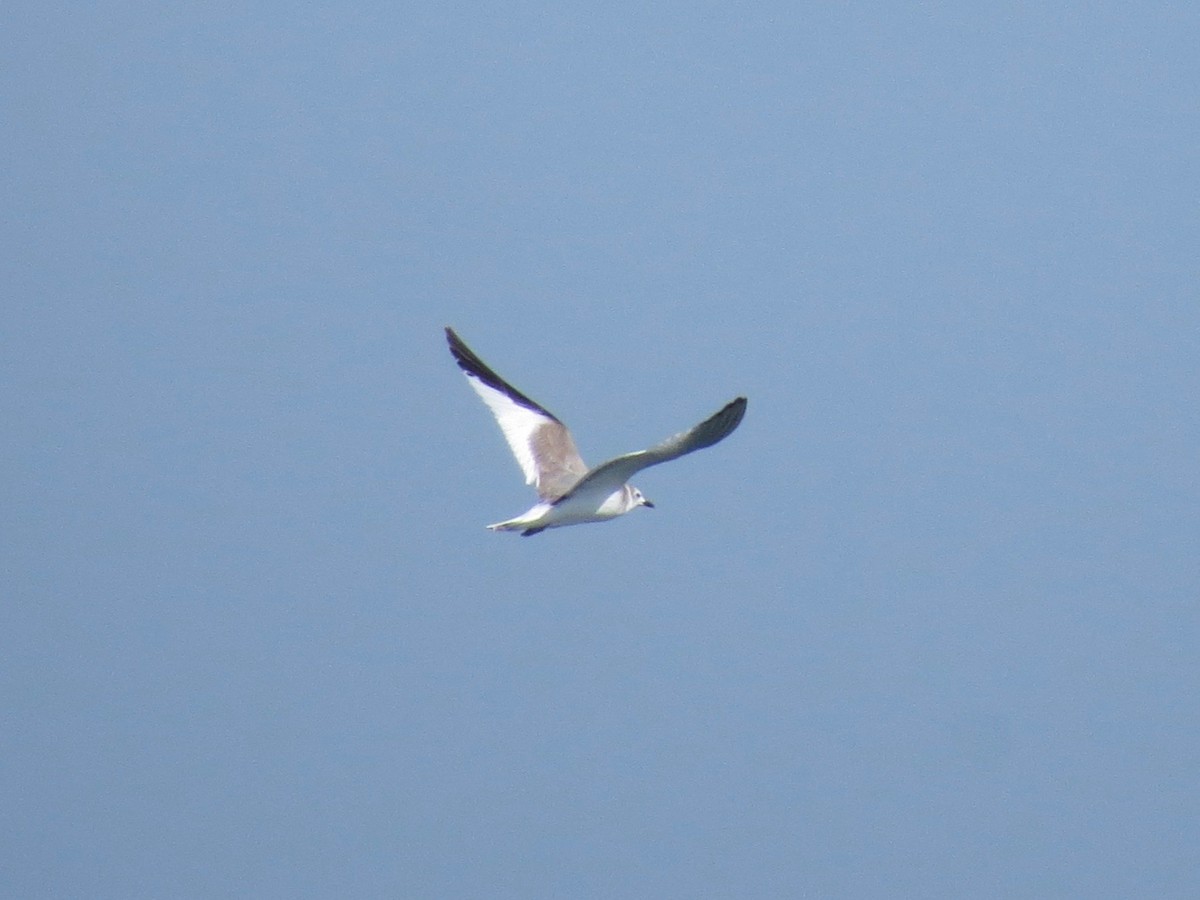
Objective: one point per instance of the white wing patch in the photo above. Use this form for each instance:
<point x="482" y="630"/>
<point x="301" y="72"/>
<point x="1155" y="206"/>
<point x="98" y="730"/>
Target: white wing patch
<point x="519" y="424"/>
<point x="541" y="443"/>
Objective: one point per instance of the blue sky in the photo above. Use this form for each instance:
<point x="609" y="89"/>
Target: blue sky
<point x="925" y="626"/>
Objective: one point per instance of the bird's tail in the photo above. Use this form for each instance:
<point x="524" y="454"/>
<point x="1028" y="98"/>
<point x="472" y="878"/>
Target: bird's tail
<point x="510" y="525"/>
<point x="527" y="523"/>
<point x="516" y="525"/>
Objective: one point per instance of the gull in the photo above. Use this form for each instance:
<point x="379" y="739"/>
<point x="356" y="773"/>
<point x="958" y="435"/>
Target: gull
<point x="569" y="493"/>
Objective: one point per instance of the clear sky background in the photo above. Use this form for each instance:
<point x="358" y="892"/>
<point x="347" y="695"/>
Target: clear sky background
<point x="925" y="626"/>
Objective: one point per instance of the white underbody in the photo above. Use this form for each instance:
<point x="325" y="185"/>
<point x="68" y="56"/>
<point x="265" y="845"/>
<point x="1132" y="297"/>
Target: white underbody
<point x="596" y="505"/>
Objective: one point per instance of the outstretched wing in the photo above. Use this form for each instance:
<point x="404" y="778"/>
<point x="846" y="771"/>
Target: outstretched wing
<point x="541" y="443"/>
<point x="715" y="428"/>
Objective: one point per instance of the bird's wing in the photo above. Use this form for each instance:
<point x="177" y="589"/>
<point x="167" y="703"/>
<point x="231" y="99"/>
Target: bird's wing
<point x="541" y="443"/>
<point x="715" y="428"/>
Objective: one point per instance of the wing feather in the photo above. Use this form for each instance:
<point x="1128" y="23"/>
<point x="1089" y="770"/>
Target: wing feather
<point x="715" y="428"/>
<point x="543" y="446"/>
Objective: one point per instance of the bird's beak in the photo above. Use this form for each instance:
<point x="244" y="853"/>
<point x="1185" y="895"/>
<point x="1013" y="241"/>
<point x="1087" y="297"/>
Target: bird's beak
<point x="646" y="502"/>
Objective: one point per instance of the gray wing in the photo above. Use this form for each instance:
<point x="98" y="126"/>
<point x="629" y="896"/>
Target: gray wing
<point x="541" y="443"/>
<point x="715" y="428"/>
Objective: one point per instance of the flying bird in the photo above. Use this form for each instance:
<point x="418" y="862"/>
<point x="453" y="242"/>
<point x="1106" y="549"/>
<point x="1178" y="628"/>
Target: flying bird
<point x="569" y="493"/>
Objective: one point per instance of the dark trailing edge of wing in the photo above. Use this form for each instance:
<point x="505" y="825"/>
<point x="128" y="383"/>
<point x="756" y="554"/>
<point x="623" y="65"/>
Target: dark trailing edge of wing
<point x="473" y="365"/>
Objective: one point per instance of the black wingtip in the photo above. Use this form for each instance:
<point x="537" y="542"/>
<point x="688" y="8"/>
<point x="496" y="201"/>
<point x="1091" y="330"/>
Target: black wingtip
<point x="465" y="356"/>
<point x="738" y="407"/>
<point x="475" y="367"/>
<point x="729" y="417"/>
